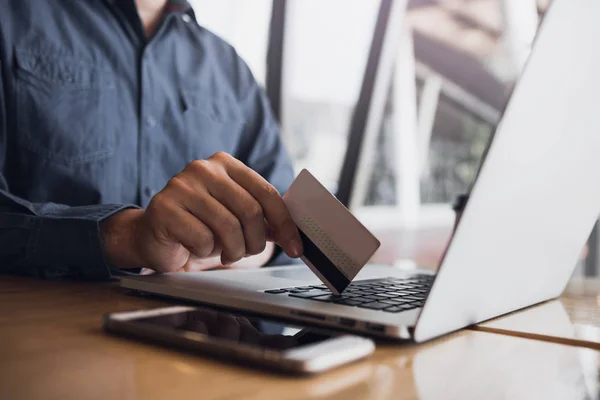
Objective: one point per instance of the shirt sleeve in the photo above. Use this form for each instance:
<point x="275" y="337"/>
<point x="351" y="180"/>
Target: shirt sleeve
<point x="47" y="239"/>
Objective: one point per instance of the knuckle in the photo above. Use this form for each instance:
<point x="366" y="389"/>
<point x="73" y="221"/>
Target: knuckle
<point x="204" y="245"/>
<point x="271" y="191"/>
<point x="222" y="158"/>
<point x="221" y="155"/>
<point x="231" y="226"/>
<point x="253" y="213"/>
<point x="198" y="166"/>
<point x="231" y="232"/>
<point x="205" y="169"/>
<point x="178" y="183"/>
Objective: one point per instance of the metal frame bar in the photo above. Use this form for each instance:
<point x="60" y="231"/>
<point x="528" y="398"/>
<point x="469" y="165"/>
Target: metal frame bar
<point x="593" y="257"/>
<point x="427" y="111"/>
<point x="274" y="78"/>
<point x="406" y="133"/>
<point x="368" y="113"/>
<point x="462" y="98"/>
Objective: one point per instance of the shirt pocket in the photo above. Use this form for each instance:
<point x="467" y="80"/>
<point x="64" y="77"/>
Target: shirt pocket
<point x="65" y="107"/>
<point x="212" y="123"/>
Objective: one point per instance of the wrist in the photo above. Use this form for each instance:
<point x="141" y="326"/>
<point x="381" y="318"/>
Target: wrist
<point x="118" y="234"/>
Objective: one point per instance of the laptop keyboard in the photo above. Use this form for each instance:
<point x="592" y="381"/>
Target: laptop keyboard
<point x="386" y="294"/>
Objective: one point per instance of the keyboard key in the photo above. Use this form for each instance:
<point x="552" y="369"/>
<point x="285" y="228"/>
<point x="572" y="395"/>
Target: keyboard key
<point x="327" y="297"/>
<point x="394" y="309"/>
<point x="320" y="287"/>
<point x="374" y="305"/>
<point x="413" y="289"/>
<point x="360" y="300"/>
<point x="401" y="300"/>
<point x="369" y="297"/>
<point x="392" y="301"/>
<point x="306" y="295"/>
<point x="275" y="291"/>
<point x="354" y="291"/>
<point x="380" y="296"/>
<point x="347" y="296"/>
<point x="406" y="307"/>
<point x="303" y="288"/>
<point x="398" y="293"/>
<point x="385" y="295"/>
<point x="349" y="302"/>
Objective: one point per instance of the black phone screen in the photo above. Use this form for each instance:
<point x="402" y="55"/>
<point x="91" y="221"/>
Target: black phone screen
<point x="240" y="329"/>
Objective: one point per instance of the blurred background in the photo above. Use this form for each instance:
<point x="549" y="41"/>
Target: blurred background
<point x="430" y="77"/>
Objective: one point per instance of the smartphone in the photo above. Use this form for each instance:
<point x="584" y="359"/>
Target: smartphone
<point x="288" y="348"/>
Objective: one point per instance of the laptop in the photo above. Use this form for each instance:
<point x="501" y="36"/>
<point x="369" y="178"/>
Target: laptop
<point x="530" y="211"/>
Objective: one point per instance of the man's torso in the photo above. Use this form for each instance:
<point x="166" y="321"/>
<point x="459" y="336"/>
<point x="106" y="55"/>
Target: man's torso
<point x="94" y="115"/>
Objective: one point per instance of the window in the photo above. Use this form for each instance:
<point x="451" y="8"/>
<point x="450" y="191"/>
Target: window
<point x="242" y="23"/>
<point x="454" y="73"/>
<point x="326" y="48"/>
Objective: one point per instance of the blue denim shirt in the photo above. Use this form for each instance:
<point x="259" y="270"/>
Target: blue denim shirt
<point x="95" y="118"/>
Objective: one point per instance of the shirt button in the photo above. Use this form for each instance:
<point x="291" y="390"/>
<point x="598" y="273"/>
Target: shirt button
<point x="150" y="121"/>
<point x="186" y="18"/>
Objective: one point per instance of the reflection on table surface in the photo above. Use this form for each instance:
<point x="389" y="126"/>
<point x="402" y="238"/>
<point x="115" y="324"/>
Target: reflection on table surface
<point x="573" y="319"/>
<point x="53" y="347"/>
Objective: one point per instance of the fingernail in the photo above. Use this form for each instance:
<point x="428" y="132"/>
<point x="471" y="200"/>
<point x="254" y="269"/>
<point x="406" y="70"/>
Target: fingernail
<point x="296" y="248"/>
<point x="225" y="260"/>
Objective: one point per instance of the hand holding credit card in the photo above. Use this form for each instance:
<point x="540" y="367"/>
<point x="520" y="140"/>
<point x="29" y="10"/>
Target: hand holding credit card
<point x="336" y="244"/>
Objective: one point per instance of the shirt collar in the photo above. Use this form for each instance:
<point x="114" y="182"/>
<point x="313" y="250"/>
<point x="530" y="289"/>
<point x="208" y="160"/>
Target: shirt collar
<point x="173" y="6"/>
<point x="180" y="6"/>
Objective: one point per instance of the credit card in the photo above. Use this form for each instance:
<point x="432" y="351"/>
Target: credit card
<point x="336" y="244"/>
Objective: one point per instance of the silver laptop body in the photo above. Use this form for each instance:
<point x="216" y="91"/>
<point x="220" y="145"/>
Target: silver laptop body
<point x="530" y="211"/>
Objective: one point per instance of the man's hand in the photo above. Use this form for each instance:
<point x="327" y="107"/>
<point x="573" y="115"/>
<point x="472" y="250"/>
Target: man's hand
<point x="214" y="208"/>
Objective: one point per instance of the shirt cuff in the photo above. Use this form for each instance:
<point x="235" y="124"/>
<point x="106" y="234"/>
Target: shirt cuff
<point x="72" y="244"/>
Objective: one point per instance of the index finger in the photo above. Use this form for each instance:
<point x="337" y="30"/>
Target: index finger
<point x="274" y="208"/>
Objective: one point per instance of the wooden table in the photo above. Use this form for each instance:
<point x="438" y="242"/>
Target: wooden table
<point x="52" y="347"/>
<point x="573" y="319"/>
